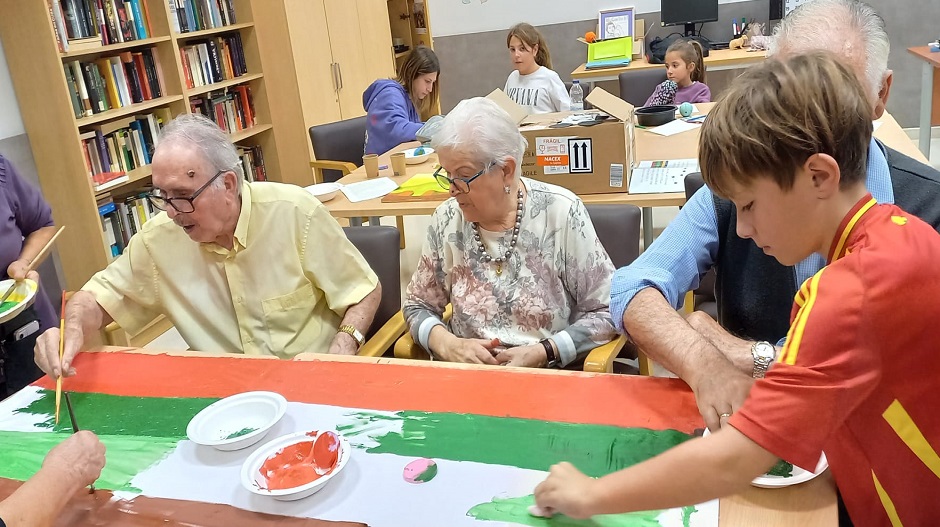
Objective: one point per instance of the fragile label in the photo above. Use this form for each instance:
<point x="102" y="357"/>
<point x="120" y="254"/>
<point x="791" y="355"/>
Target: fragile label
<point x="552" y="154"/>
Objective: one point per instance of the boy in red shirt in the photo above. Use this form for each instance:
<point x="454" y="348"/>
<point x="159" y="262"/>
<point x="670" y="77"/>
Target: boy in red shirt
<point x="856" y="378"/>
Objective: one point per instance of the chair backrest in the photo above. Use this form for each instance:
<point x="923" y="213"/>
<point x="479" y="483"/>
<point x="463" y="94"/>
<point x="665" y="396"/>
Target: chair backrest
<point x="586" y="88"/>
<point x="693" y="182"/>
<point x="618" y="228"/>
<point x="339" y="141"/>
<point x="636" y="86"/>
<point x="379" y="246"/>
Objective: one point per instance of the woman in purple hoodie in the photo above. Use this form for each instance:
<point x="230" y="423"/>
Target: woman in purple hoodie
<point x="396" y="108"/>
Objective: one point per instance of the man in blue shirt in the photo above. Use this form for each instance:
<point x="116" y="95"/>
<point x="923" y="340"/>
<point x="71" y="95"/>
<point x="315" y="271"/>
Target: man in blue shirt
<point x="755" y="293"/>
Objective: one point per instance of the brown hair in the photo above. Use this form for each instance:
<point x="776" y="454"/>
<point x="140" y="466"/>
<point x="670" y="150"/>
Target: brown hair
<point x="531" y="38"/>
<point x="778" y="114"/>
<point x="420" y="61"/>
<point x="691" y="52"/>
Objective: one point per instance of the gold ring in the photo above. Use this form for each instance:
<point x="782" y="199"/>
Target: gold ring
<point x="722" y="416"/>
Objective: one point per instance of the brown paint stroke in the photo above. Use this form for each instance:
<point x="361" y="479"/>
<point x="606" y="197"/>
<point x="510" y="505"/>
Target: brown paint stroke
<point x="99" y="510"/>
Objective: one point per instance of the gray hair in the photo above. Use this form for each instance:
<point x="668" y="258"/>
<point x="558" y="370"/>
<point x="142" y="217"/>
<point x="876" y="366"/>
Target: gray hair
<point x="848" y="28"/>
<point x="484" y="130"/>
<point x="199" y="132"/>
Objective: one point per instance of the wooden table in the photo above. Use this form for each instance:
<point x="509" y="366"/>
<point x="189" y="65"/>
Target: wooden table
<point x="649" y="147"/>
<point x="122" y="391"/>
<point x="929" y="88"/>
<point x="717" y="60"/>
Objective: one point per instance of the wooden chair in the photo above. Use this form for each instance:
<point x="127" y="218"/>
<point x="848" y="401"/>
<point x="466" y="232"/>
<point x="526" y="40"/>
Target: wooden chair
<point x="338" y="148"/>
<point x="618" y="229"/>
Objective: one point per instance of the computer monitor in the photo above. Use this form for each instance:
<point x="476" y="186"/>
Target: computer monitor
<point x="689" y="13"/>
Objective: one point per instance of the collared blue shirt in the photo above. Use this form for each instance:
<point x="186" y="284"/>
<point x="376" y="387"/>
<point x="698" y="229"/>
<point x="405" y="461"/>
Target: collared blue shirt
<point x="688" y="247"/>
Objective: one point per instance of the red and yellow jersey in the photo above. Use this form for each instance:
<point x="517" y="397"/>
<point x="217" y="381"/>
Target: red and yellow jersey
<point x="859" y="374"/>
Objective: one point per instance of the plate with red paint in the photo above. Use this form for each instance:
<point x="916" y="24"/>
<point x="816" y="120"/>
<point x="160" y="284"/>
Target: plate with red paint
<point x="296" y="465"/>
<point x="238" y="421"/>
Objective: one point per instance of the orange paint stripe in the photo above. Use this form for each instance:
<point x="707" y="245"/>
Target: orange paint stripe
<point x="618" y="400"/>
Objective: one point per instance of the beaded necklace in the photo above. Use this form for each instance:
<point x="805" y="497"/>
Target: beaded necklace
<point x="512" y="244"/>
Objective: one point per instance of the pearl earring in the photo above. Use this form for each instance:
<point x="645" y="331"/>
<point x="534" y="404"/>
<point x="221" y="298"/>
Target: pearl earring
<point x="506" y="189"/>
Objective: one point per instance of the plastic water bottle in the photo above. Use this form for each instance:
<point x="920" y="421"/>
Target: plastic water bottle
<point x="577" y="97"/>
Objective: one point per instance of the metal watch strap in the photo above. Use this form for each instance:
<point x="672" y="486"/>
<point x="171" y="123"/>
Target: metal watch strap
<point x="353" y="332"/>
<point x="763" y="354"/>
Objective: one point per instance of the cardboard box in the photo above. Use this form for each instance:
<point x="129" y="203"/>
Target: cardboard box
<point x="584" y="159"/>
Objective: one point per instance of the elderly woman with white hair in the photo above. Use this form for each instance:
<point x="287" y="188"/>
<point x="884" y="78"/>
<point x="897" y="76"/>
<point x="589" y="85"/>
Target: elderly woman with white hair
<point x="517" y="259"/>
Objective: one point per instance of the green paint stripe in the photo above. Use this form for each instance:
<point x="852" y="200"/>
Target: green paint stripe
<point x="525" y="443"/>
<point x="21" y="455"/>
<point x="119" y="415"/>
<point x="516" y="510"/>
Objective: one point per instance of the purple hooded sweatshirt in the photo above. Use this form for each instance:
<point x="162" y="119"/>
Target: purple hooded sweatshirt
<point x="392" y="118"/>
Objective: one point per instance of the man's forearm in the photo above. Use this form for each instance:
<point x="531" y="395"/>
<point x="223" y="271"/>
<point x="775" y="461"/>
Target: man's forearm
<point x="668" y="339"/>
<point x="83" y="311"/>
<point x="360" y="315"/>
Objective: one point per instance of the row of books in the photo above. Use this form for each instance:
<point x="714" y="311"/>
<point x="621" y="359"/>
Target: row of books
<point x="210" y="61"/>
<point x="81" y="24"/>
<point x="115" y="148"/>
<point x="121" y="220"/>
<point x="232" y="108"/>
<point x="252" y="163"/>
<point x="196" y="15"/>
<point x="113" y="82"/>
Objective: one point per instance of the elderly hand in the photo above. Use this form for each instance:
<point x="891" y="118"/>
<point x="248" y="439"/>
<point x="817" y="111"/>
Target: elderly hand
<point x="566" y="491"/>
<point x="471" y="351"/>
<point x="719" y="393"/>
<point x="80" y="456"/>
<point x="531" y="356"/>
<point x="17" y="271"/>
<point x="46" y="351"/>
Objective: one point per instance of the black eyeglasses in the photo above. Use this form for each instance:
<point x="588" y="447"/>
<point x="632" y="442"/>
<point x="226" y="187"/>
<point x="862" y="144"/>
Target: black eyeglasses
<point x="461" y="184"/>
<point x="159" y="200"/>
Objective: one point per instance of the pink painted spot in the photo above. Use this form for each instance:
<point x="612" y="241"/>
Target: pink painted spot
<point x="420" y="471"/>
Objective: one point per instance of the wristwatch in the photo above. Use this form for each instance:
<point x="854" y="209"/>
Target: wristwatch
<point x="354" y="333"/>
<point x="763" y="354"/>
<point x="549" y="353"/>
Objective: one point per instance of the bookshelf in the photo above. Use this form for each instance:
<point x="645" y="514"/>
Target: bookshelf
<point x="38" y="68"/>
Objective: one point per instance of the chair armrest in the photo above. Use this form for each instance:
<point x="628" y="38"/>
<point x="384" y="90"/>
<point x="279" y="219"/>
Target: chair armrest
<point x="601" y="358"/>
<point x="319" y="166"/>
<point x="384" y="337"/>
<point x="407" y="348"/>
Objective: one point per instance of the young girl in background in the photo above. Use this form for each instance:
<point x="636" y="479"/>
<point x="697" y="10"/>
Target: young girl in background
<point x="685" y="74"/>
<point x="533" y="85"/>
<point x="396" y="108"/>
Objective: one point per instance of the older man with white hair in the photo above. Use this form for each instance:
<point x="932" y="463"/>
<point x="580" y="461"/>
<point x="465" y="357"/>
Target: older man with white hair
<point x="255" y="268"/>
<point x="755" y="293"/>
<point x="517" y="259"/>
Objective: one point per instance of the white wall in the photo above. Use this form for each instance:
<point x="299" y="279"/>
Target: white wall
<point x="454" y="17"/>
<point x="11" y="124"/>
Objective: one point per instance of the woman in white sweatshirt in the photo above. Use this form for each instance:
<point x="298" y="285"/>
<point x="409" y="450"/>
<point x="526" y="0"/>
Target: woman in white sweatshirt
<point x="533" y="85"/>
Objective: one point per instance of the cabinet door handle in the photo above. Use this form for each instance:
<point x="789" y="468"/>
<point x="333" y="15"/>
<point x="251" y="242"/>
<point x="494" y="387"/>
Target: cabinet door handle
<point x="339" y="71"/>
<point x="334" y="78"/>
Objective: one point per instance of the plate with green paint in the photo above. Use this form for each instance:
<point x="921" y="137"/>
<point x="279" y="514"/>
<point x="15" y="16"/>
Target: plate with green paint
<point x="237" y="421"/>
<point x="784" y="474"/>
<point x="22" y="297"/>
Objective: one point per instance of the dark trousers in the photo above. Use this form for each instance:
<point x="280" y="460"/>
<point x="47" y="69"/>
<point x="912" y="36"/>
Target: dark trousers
<point x="17" y="340"/>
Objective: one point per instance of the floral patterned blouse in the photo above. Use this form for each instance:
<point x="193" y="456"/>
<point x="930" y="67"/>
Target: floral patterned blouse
<point x="556" y="282"/>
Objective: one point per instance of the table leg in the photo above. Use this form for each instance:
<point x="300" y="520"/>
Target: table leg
<point x="355" y="222"/>
<point x="374" y="221"/>
<point x="926" y="100"/>
<point x="647" y="227"/>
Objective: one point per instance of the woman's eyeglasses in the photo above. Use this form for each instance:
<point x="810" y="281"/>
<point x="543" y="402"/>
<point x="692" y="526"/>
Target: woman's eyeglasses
<point x="461" y="184"/>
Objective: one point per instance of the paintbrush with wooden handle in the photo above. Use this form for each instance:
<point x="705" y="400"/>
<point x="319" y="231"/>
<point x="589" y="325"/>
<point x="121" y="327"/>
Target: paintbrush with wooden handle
<point x="34" y="262"/>
<point x="68" y="404"/>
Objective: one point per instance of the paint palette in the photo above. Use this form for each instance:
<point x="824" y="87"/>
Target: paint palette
<point x="238" y="421"/>
<point x="287" y="463"/>
<point x="414" y="156"/>
<point x="22" y="297"/>
<point x="797" y="475"/>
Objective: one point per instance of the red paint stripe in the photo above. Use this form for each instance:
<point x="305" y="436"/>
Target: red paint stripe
<point x="618" y="400"/>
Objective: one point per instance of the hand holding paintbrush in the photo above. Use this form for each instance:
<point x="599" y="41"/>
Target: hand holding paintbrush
<point x="68" y="404"/>
<point x="31" y="266"/>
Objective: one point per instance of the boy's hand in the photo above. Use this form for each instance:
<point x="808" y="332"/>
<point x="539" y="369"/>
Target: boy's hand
<point x="567" y="491"/>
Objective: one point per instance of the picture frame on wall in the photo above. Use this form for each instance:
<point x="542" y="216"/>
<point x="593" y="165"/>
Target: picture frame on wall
<point x="615" y="23"/>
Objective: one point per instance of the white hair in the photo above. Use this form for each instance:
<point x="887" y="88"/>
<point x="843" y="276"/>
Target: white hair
<point x="849" y="28"/>
<point x="479" y="127"/>
<point x="197" y="131"/>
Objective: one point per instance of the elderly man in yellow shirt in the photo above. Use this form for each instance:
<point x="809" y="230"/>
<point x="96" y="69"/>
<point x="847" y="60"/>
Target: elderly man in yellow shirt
<point x="254" y="268"/>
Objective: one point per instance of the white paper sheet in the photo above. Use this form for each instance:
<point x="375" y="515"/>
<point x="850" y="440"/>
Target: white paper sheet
<point x="369" y="189"/>
<point x="652" y="177"/>
<point x="674" y="127"/>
